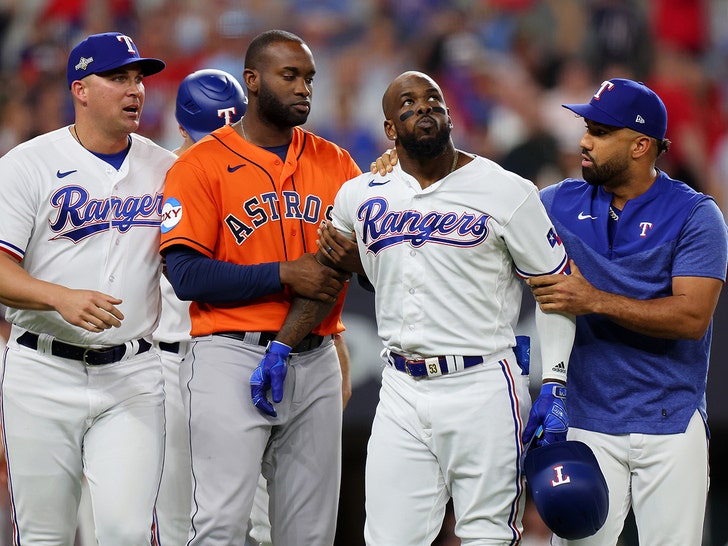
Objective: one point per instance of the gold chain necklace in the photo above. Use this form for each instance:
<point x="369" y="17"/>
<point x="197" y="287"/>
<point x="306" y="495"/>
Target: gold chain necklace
<point x="78" y="138"/>
<point x="454" y="162"/>
<point x="613" y="215"/>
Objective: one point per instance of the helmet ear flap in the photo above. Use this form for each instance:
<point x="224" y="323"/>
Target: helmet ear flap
<point x="568" y="488"/>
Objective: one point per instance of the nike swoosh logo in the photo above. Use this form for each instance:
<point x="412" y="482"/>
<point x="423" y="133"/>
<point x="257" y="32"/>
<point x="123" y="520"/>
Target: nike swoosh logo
<point x="373" y="183"/>
<point x="232" y="169"/>
<point x="583" y="216"/>
<point x="59" y="174"/>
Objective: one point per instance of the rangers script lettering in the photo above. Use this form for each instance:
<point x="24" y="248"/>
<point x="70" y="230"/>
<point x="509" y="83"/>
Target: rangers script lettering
<point x="80" y="216"/>
<point x="383" y="228"/>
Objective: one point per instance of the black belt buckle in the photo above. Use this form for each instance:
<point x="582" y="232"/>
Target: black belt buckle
<point x="97" y="357"/>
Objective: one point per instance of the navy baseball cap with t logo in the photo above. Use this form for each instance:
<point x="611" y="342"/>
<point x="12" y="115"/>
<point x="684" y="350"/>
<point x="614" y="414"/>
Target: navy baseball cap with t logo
<point x="103" y="52"/>
<point x="625" y="103"/>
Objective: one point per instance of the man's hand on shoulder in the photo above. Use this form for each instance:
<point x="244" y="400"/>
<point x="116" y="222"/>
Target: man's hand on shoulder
<point x="384" y="163"/>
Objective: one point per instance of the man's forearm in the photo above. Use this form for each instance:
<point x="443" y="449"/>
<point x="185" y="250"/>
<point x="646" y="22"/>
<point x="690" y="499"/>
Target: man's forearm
<point x="303" y="316"/>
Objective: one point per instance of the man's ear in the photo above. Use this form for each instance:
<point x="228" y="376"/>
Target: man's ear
<point x="78" y="90"/>
<point x="389" y="130"/>
<point x="642" y="144"/>
<point x="250" y="79"/>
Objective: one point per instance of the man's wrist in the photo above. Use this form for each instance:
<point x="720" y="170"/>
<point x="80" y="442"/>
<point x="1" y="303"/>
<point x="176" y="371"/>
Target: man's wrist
<point x="279" y="347"/>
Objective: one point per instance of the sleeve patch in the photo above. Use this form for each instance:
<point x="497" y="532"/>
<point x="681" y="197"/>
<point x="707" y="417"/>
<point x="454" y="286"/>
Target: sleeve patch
<point x="171" y="214"/>
<point x="553" y="238"/>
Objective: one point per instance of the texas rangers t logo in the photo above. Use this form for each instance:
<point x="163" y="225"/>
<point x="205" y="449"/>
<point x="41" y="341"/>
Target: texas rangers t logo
<point x="561" y="479"/>
<point x="226" y="114"/>
<point x="606" y="85"/>
<point x="644" y="226"/>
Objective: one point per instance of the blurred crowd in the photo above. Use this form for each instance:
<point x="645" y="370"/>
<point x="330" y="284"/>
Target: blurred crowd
<point x="506" y="67"/>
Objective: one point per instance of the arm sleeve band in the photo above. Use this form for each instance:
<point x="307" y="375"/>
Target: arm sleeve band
<point x="556" y="334"/>
<point x="195" y="277"/>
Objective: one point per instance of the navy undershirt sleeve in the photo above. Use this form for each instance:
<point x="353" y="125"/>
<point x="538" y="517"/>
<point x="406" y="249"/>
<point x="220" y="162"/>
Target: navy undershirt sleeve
<point x="195" y="277"/>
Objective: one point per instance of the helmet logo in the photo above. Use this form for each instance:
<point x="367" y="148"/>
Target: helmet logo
<point x="561" y="479"/>
<point x="227" y="114"/>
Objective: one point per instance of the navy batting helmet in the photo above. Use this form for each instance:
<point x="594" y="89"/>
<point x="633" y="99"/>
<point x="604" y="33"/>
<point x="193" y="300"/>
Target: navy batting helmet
<point x="207" y="100"/>
<point x="568" y="488"/>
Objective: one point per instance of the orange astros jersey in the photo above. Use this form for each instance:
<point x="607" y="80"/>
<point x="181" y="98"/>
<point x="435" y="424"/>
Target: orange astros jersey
<point x="236" y="202"/>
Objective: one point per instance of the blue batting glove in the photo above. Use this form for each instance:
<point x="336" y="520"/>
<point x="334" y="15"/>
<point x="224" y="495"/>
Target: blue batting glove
<point x="548" y="421"/>
<point x="270" y="374"/>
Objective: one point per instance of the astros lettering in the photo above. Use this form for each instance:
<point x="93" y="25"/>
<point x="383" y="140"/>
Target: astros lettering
<point x="258" y="211"/>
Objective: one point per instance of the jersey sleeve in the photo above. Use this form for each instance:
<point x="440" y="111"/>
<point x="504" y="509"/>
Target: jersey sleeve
<point x="188" y="196"/>
<point x="532" y="240"/>
<point x="702" y="250"/>
<point x="18" y="207"/>
<point x="343" y="212"/>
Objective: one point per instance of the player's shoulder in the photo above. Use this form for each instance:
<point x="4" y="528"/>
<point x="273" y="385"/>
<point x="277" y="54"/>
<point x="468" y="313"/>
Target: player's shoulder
<point x="499" y="174"/>
<point x="43" y="143"/>
<point x="312" y="138"/>
<point x="673" y="189"/>
<point x="562" y="197"/>
<point x="489" y="180"/>
<point x="38" y="153"/>
<point x="366" y="180"/>
<point x="311" y="142"/>
<point x="151" y="147"/>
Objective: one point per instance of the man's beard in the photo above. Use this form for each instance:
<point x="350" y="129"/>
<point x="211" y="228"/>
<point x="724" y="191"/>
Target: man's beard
<point x="610" y="173"/>
<point x="425" y="148"/>
<point x="277" y="113"/>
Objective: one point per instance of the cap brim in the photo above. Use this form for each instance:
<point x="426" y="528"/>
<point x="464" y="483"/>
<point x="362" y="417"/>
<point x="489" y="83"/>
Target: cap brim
<point x="592" y="113"/>
<point x="149" y="65"/>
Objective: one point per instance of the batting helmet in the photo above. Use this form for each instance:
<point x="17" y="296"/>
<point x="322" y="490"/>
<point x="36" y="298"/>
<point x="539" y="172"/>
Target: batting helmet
<point x="207" y="100"/>
<point x="568" y="488"/>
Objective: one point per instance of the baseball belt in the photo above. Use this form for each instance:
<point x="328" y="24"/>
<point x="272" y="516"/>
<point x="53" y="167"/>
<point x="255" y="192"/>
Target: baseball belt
<point x="176" y="347"/>
<point x="90" y="357"/>
<point x="433" y="366"/>
<point x="308" y="343"/>
<point x="169" y="347"/>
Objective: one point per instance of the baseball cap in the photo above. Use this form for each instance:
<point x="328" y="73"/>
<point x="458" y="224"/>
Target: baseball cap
<point x="103" y="52"/>
<point x="625" y="103"/>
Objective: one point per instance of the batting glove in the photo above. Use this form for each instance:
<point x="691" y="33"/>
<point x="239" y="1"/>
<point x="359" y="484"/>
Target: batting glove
<point x="270" y="374"/>
<point x="548" y="421"/>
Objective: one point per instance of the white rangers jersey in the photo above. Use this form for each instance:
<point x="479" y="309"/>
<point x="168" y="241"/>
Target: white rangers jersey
<point x="445" y="261"/>
<point x="74" y="220"/>
<point x="174" y="322"/>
